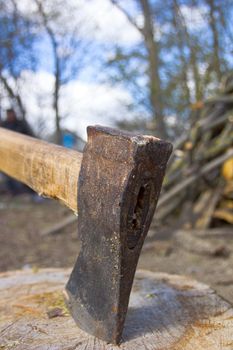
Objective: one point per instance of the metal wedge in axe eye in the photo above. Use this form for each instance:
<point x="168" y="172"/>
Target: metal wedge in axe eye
<point x="115" y="196"/>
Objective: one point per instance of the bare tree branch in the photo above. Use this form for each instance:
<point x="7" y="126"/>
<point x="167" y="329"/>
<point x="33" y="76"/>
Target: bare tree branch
<point x="127" y="15"/>
<point x="13" y="96"/>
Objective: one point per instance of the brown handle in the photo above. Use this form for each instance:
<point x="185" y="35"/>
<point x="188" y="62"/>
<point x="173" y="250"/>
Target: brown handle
<point x="50" y="170"/>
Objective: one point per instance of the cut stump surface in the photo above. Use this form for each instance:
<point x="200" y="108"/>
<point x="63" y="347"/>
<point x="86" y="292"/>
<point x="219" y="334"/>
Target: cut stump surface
<point x="165" y="312"/>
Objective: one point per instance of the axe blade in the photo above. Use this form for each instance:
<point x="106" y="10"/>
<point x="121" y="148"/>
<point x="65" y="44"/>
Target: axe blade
<point x="119" y="185"/>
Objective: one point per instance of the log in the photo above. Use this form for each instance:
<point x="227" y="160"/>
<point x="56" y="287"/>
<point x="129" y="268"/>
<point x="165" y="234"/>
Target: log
<point x="166" y="197"/>
<point x="58" y="226"/>
<point x="50" y="170"/>
<point x="205" y="206"/>
<point x="223" y="233"/>
<point x="184" y="239"/>
<point x="195" y="164"/>
<point x="222" y="99"/>
<point x="208" y="123"/>
<point x="224" y="214"/>
<point x="166" y="312"/>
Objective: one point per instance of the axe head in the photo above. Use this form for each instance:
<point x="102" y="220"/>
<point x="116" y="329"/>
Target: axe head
<point x="119" y="185"/>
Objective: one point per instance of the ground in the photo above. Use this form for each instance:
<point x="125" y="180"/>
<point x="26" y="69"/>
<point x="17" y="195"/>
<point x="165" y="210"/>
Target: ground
<point x="23" y="245"/>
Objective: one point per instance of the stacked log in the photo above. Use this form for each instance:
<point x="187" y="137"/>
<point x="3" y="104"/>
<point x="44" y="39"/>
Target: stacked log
<point x="198" y="188"/>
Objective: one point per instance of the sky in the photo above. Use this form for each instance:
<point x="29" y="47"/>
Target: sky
<point x="87" y="99"/>
<point x="82" y="103"/>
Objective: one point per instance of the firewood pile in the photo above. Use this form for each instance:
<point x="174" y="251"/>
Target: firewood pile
<point x="198" y="188"/>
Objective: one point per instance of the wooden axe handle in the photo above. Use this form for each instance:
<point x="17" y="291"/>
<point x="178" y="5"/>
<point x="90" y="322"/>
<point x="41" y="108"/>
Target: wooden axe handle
<point x="50" y="170"/>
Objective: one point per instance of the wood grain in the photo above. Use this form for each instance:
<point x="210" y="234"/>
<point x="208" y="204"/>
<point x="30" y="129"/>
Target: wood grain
<point x="50" y="170"/>
<point x="166" y="312"/>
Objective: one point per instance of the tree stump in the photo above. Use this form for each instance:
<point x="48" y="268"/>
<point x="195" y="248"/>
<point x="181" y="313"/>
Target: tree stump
<point x="165" y="312"/>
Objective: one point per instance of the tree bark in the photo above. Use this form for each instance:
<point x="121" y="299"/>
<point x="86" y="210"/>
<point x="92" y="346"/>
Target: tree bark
<point x="57" y="86"/>
<point x="192" y="53"/>
<point x="216" y="49"/>
<point x="14" y="97"/>
<point x="57" y="72"/>
<point x="156" y="96"/>
<point x="180" y="44"/>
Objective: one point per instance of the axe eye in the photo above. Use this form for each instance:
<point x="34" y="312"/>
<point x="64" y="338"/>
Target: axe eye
<point x="136" y="220"/>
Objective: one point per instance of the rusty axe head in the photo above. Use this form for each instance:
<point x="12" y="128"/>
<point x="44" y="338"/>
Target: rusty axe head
<point x="119" y="185"/>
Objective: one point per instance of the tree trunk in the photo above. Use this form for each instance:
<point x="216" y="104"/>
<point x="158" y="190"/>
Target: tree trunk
<point x="56" y="99"/>
<point x="14" y="97"/>
<point x="166" y="312"/>
<point x="192" y="55"/>
<point x="181" y="44"/>
<point x="154" y="76"/>
<point x="57" y="71"/>
<point x="216" y="50"/>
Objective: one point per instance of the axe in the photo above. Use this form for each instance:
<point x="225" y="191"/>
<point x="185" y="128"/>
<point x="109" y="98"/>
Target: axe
<point x="114" y="186"/>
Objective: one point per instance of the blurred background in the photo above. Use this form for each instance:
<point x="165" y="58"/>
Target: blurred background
<point x="160" y="67"/>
